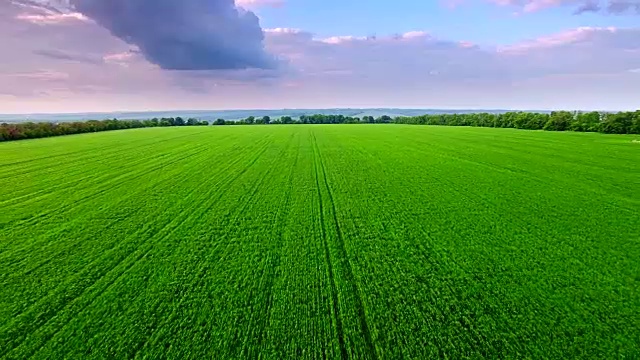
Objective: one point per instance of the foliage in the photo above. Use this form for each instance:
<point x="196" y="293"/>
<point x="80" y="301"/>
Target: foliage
<point x="31" y="130"/>
<point x="608" y="123"/>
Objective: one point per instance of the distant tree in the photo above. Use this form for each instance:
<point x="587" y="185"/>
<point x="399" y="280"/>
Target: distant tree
<point x="618" y="123"/>
<point x="266" y="119"/>
<point x="559" y="121"/>
<point x="192" y="122"/>
<point x="589" y="122"/>
<point x="520" y="121"/>
<point x="384" y="119"/>
<point x="537" y="121"/>
<point x="635" y="126"/>
<point x="219" y="122"/>
<point x="179" y="121"/>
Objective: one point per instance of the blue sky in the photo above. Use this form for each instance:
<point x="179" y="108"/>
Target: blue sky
<point x="477" y="21"/>
<point x="88" y="55"/>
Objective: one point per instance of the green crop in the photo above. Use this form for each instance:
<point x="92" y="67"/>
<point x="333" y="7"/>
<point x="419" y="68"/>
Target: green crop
<point x="320" y="241"/>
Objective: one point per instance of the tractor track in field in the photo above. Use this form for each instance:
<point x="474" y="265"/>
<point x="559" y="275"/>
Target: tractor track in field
<point x="104" y="190"/>
<point x="327" y="254"/>
<point x="78" y="170"/>
<point x="70" y="153"/>
<point x="246" y="201"/>
<point x="63" y="249"/>
<point x="149" y="242"/>
<point x="144" y="247"/>
<point x="271" y="277"/>
<point x="350" y="278"/>
<point x="104" y="186"/>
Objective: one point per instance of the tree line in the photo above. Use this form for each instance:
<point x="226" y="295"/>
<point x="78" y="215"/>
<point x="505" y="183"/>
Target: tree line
<point x="34" y="130"/>
<point x="305" y="119"/>
<point x="608" y="123"/>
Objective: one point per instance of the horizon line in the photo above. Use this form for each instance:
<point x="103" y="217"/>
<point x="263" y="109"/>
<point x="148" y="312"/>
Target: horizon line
<point x="298" y="109"/>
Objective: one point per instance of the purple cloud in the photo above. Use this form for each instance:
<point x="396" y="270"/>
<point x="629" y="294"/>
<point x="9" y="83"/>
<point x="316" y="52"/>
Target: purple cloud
<point x="68" y="56"/>
<point x="583" y="6"/>
<point x="623" y="6"/>
<point x="175" y="35"/>
<point x="186" y="34"/>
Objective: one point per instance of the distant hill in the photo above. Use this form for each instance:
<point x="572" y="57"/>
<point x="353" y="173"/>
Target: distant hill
<point x="211" y="115"/>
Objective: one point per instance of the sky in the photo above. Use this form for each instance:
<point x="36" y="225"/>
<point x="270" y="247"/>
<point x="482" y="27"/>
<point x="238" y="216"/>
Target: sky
<point x="63" y="56"/>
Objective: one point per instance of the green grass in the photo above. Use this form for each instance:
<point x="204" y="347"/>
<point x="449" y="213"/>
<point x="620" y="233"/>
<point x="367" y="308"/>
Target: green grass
<point x="311" y="242"/>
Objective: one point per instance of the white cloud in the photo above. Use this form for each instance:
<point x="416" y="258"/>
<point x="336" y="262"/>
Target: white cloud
<point x="259" y="3"/>
<point x="53" y="19"/>
<point x="124" y="58"/>
<point x="342" y="39"/>
<point x="573" y="36"/>
<point x="415" y="34"/>
<point x="283" y="31"/>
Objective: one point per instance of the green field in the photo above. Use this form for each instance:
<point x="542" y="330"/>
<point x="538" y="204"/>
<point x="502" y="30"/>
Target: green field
<point x="327" y="241"/>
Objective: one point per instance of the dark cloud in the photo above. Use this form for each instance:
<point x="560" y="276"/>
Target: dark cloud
<point x="624" y="6"/>
<point x="588" y="6"/>
<point x="617" y="7"/>
<point x="184" y="34"/>
<point x="44" y="6"/>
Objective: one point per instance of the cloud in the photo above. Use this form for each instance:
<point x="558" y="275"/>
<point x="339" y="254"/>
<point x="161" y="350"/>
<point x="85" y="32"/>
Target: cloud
<point x="69" y="56"/>
<point x="284" y="31"/>
<point x="41" y="75"/>
<point x="584" y="51"/>
<point x="409" y="62"/>
<point x="52" y="19"/>
<point x="186" y="34"/>
<point x="623" y="6"/>
<point x="48" y="7"/>
<point x="175" y="35"/>
<point x="563" y="38"/>
<point x="417" y="61"/>
<point x="588" y="6"/>
<point x="581" y="6"/>
<point x="124" y="58"/>
<point x="259" y="3"/>
<point x="119" y="57"/>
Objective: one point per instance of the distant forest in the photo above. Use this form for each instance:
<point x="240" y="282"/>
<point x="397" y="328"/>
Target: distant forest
<point x="608" y="123"/>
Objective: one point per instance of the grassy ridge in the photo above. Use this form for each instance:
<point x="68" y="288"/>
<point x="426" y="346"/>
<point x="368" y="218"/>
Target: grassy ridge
<point x="348" y="241"/>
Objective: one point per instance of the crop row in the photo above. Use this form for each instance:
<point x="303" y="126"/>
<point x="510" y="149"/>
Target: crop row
<point x="363" y="242"/>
